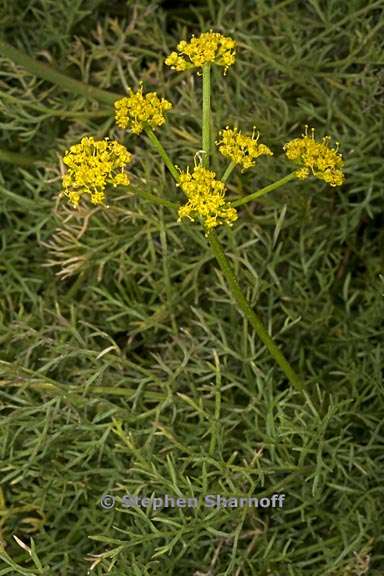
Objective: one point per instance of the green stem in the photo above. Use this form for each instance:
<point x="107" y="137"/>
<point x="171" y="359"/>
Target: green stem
<point x="228" y="171"/>
<point x="47" y="73"/>
<point x="206" y="113"/>
<point x="156" y="200"/>
<point x="250" y="314"/>
<point x="264" y="190"/>
<point x="17" y="158"/>
<point x="166" y="159"/>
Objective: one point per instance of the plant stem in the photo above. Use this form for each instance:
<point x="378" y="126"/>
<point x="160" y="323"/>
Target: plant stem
<point x="44" y="71"/>
<point x="166" y="159"/>
<point x="250" y="314"/>
<point x="156" y="199"/>
<point x="228" y="171"/>
<point x="219" y="253"/>
<point x="206" y="113"/>
<point x="264" y="190"/>
<point x="17" y="158"/>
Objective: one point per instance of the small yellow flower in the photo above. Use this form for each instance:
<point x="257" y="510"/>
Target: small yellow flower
<point x="137" y="110"/>
<point x="205" y="199"/>
<point x="209" y="47"/>
<point x="241" y="149"/>
<point x="316" y="158"/>
<point x="91" y="166"/>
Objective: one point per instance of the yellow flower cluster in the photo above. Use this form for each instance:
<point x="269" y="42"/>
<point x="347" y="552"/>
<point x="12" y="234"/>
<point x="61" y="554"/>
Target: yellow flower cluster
<point x="316" y="158"/>
<point x="91" y="166"/>
<point x="205" y="198"/>
<point x="209" y="47"/>
<point x="137" y="111"/>
<point x="241" y="149"/>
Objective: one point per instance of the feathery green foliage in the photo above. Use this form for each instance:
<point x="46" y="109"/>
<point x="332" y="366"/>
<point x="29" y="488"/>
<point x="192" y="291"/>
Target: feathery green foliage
<point x="124" y="366"/>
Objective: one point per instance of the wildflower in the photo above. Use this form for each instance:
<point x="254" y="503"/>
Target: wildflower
<point x="241" y="149"/>
<point x="209" y="47"/>
<point x="91" y="166"/>
<point x="316" y="158"/>
<point x="205" y="198"/>
<point x="137" y="110"/>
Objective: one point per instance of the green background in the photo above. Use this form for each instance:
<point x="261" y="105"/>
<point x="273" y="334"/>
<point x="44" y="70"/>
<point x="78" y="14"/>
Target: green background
<point x="124" y="363"/>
